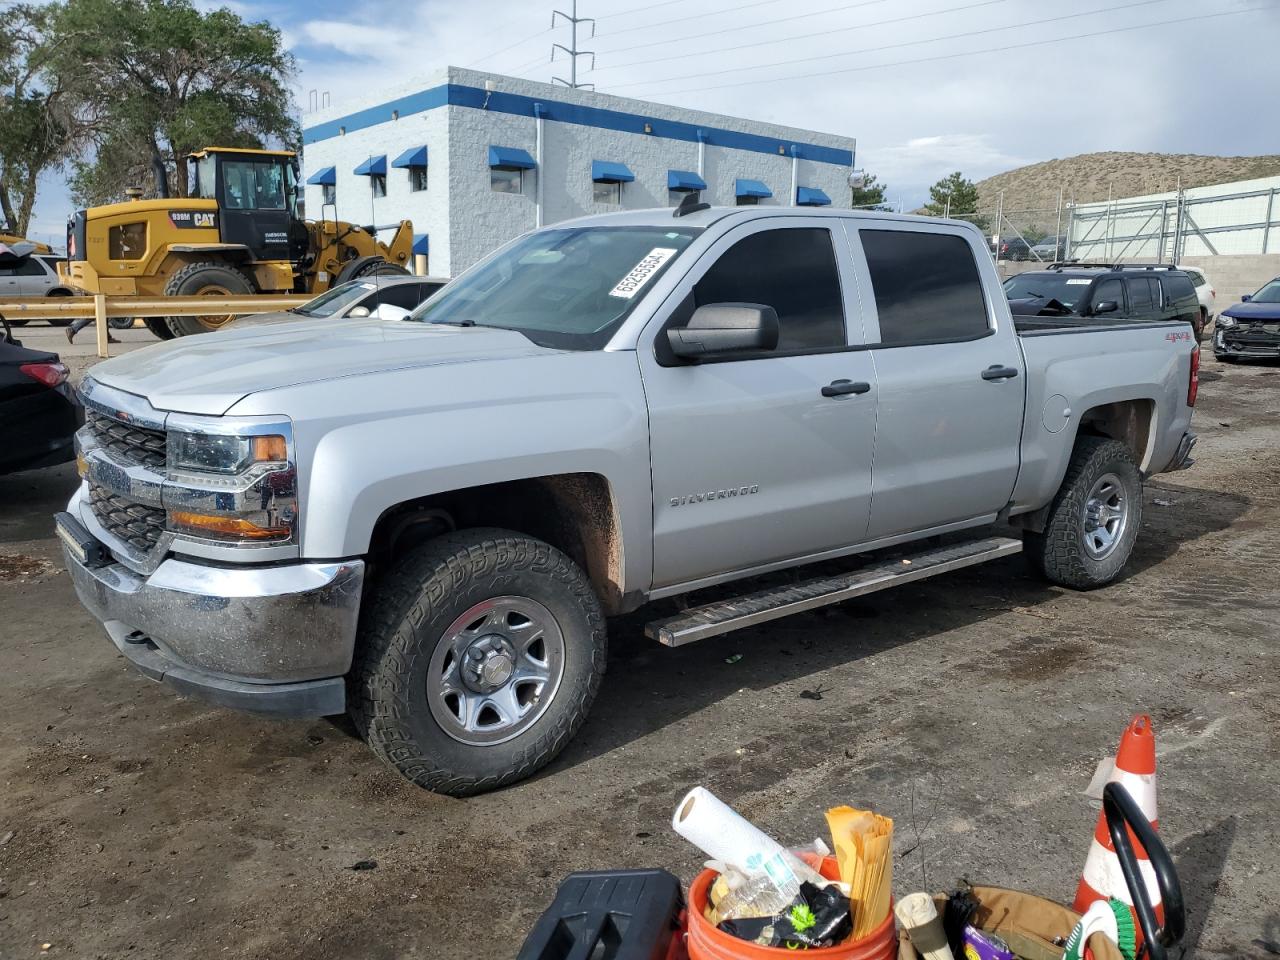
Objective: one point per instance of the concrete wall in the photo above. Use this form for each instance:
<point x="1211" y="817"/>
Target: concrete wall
<point x="466" y="219"/>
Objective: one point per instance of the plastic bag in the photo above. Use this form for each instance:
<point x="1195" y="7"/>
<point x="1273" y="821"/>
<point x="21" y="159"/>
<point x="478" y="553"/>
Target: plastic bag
<point x="736" y="895"/>
<point x="817" y="917"/>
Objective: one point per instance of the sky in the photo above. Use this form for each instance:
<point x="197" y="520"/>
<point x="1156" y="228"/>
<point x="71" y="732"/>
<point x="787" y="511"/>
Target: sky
<point x="926" y="86"/>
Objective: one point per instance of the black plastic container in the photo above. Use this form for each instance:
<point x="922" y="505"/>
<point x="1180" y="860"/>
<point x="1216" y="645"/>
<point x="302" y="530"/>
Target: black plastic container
<point x="610" y="915"/>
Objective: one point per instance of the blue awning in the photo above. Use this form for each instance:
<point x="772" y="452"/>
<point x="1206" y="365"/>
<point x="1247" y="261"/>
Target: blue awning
<point x="684" y="180"/>
<point x="510" y="158"/>
<point x="752" y="188"/>
<point x="413" y="157"/>
<point x="605" y="171"/>
<point x="811" y="197"/>
<point x="325" y="177"/>
<point x="374" y="166"/>
<point x="420" y="244"/>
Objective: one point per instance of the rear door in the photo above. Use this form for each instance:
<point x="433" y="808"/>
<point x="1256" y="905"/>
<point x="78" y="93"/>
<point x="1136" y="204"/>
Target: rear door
<point x="950" y="382"/>
<point x="752" y="464"/>
<point x="1144" y="298"/>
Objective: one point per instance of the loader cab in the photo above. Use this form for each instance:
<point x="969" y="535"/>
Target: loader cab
<point x="258" y="199"/>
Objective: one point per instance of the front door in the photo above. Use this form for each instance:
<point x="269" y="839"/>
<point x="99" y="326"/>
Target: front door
<point x="255" y="207"/>
<point x="752" y="464"/>
<point x="951" y="385"/>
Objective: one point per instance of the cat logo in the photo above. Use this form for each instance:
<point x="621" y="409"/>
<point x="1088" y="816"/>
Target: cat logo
<point x="206" y="219"/>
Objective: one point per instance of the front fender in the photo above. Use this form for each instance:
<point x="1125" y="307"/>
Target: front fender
<point x="368" y="443"/>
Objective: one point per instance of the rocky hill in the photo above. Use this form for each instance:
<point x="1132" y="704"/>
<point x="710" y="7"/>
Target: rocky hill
<point x="1087" y="177"/>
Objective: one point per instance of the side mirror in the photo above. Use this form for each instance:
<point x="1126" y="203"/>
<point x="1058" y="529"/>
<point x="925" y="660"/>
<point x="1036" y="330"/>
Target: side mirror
<point x="357" y="312"/>
<point x="1246" y="298"/>
<point x="725" y="328"/>
<point x="387" y="311"/>
<point x="1105" y="306"/>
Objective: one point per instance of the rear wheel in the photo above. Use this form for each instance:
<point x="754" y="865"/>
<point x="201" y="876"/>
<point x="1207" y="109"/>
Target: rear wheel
<point x="159" y="326"/>
<point x="205" y="280"/>
<point x="120" y="323"/>
<point x="1094" y="519"/>
<point x="477" y="661"/>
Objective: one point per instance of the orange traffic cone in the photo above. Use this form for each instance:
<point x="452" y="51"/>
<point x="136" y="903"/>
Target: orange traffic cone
<point x="1135" y="770"/>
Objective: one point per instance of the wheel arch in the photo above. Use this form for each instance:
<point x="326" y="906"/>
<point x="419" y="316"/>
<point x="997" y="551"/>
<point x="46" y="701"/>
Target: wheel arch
<point x="576" y="513"/>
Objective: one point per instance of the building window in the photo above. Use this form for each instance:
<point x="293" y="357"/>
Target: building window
<point x="378" y="184"/>
<point x="506" y="181"/>
<point x="329" y="193"/>
<point x="748" y="201"/>
<point x="605" y="192"/>
<point x="417" y="179"/>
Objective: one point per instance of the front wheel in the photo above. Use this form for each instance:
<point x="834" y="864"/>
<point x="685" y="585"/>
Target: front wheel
<point x="478" y="659"/>
<point x="1094" y="519"/>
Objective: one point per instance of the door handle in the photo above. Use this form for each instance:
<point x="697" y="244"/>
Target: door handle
<point x="997" y="372"/>
<point x="840" y="388"/>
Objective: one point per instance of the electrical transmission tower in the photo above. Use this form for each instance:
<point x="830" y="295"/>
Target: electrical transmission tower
<point x="572" y="50"/>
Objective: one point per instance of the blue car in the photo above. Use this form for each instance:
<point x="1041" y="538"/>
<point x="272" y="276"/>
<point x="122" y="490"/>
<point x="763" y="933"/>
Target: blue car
<point x="1252" y="327"/>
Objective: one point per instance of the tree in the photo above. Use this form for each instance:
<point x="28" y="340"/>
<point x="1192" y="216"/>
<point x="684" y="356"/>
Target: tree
<point x="954" y="196"/>
<point x="870" y="195"/>
<point x="155" y="80"/>
<point x="34" y="129"/>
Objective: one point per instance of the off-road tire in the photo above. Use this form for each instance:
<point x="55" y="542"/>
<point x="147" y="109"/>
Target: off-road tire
<point x="370" y="266"/>
<point x="188" y="282"/>
<point x="406" y="617"/>
<point x="159" y="326"/>
<point x="120" y="323"/>
<point x="1058" y="554"/>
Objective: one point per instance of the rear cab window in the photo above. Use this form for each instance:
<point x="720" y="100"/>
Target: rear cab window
<point x="927" y="287"/>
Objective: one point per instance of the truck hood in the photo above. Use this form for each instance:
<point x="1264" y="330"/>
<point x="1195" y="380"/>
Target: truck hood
<point x="1254" y="311"/>
<point x="208" y="374"/>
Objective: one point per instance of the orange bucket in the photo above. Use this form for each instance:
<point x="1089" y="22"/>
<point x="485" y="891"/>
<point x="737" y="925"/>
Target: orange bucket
<point x="708" y="943"/>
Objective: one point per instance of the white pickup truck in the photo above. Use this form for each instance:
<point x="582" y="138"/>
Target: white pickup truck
<point x="425" y="519"/>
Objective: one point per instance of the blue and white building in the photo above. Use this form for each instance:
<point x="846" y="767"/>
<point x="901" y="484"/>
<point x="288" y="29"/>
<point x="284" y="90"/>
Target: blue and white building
<point x="474" y="159"/>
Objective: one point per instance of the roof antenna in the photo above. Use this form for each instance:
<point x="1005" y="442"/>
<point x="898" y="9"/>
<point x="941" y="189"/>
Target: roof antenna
<point x="691" y="203"/>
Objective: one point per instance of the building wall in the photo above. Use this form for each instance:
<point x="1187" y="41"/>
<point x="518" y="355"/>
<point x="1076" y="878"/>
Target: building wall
<point x="466" y="219"/>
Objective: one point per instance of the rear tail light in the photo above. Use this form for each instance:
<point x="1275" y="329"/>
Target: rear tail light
<point x="50" y="374"/>
<point x="1193" y="385"/>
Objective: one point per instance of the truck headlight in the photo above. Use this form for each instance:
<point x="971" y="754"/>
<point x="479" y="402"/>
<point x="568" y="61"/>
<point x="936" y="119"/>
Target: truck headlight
<point x="232" y="480"/>
<point x="221" y="453"/>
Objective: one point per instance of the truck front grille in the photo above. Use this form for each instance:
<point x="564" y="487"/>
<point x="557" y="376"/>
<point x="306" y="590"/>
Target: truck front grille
<point x="135" y="444"/>
<point x="137" y="524"/>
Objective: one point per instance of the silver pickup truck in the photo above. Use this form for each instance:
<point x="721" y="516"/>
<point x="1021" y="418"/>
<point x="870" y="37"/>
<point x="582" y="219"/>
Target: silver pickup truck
<point x="425" y="519"/>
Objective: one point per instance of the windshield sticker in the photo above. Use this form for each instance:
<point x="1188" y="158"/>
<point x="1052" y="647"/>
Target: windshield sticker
<point x="630" y="285"/>
<point x="1082" y="282"/>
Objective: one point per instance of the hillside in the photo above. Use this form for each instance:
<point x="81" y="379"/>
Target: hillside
<point x="1087" y="176"/>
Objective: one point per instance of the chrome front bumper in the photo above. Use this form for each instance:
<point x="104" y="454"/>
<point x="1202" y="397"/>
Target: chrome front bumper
<point x="272" y="639"/>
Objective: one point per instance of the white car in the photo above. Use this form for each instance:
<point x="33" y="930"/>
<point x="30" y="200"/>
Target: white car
<point x="1204" y="291"/>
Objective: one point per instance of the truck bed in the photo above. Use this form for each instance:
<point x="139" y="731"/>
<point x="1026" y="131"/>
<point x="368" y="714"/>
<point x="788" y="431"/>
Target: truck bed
<point x="1039" y="326"/>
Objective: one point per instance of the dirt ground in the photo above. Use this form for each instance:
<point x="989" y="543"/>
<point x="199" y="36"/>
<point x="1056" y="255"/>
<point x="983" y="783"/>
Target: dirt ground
<point x="972" y="708"/>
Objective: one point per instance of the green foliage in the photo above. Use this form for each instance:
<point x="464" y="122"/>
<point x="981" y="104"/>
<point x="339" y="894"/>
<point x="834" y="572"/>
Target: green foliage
<point x="34" y="130"/>
<point x="801" y="917"/>
<point x="870" y="195"/>
<point x="155" y="80"/>
<point x="955" y="196"/>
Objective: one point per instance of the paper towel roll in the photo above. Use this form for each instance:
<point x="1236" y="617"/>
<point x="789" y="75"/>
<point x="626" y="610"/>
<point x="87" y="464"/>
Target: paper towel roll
<point x="717" y="829"/>
<point x="919" y="917"/>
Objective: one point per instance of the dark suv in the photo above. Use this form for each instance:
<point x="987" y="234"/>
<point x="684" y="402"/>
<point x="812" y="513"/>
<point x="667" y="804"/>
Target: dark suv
<point x="1136" y="292"/>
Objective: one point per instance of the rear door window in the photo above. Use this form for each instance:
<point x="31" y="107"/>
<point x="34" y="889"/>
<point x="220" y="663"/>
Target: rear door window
<point x="792" y="270"/>
<point x="926" y="285"/>
<point x="1142" y="298"/>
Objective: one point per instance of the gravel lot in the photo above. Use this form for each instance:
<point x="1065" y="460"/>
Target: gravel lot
<point x="972" y="708"/>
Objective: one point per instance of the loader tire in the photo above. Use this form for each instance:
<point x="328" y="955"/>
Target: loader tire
<point x="205" y="280"/>
<point x="372" y="266"/>
<point x="159" y="326"/>
<point x="1094" y="518"/>
<point x="477" y="660"/>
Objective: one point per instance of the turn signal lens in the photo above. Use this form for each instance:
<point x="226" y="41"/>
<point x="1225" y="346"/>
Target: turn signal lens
<point x="235" y="528"/>
<point x="82" y="465"/>
<point x="269" y="449"/>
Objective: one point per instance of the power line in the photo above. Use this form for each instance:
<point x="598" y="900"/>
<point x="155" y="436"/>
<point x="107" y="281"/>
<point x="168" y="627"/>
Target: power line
<point x="647" y="6"/>
<point x="736" y="8"/>
<point x="970" y="53"/>
<point x="822" y="33"/>
<point x="881" y="47"/>
<point x="518" y="43"/>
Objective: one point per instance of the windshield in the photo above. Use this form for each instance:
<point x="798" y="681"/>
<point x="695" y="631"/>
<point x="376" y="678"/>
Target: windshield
<point x="568" y="288"/>
<point x="1068" y="291"/>
<point x="336" y="299"/>
<point x="1269" y="293"/>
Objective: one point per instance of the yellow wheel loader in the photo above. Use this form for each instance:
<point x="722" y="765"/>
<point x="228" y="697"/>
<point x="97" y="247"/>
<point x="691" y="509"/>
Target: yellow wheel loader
<point x="240" y="232"/>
